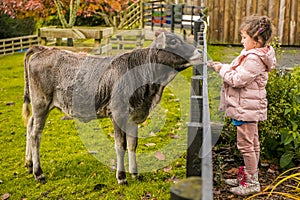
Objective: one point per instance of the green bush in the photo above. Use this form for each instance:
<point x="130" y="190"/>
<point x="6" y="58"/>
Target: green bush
<point x="93" y="20"/>
<point x="10" y="27"/>
<point x="281" y="133"/>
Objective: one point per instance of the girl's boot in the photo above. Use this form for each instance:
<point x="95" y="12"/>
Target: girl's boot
<point x="240" y="177"/>
<point x="249" y="185"/>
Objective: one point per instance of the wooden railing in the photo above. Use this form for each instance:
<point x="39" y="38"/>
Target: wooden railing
<point x="127" y="40"/>
<point x="17" y="44"/>
<point x="134" y="15"/>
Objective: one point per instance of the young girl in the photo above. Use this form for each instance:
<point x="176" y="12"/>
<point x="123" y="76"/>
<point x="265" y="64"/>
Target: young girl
<point x="244" y="96"/>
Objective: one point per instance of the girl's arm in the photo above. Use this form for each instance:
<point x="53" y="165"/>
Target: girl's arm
<point x="244" y="74"/>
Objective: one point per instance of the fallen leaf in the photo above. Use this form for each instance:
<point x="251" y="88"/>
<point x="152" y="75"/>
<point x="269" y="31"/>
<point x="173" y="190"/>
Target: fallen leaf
<point x="174" y="136"/>
<point x="274" y="167"/>
<point x="150" y="144"/>
<point x="112" y="165"/>
<point x="112" y="161"/>
<point x="168" y="169"/>
<point x="93" y="152"/>
<point x="233" y="171"/>
<point x="232" y="197"/>
<point x="111" y="135"/>
<point x="160" y="156"/>
<point x="112" y="168"/>
<point x="264" y="163"/>
<point x="152" y="134"/>
<point x="144" y="123"/>
<point x="217" y="192"/>
<point x="271" y="171"/>
<point x="174" y="179"/>
<point x="5" y="196"/>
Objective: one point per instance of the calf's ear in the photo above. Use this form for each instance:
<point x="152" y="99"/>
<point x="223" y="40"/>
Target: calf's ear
<point x="161" y="41"/>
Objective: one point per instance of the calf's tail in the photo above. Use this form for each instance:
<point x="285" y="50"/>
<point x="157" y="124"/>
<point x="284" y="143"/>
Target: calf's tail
<point x="26" y="103"/>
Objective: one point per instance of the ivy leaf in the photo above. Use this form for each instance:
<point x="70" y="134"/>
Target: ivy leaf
<point x="287" y="111"/>
<point x="289" y="138"/>
<point x="286" y="159"/>
<point x="297" y="98"/>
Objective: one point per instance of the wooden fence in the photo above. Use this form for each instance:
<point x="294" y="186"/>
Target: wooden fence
<point x="127" y="40"/>
<point x="227" y="15"/>
<point x="171" y="15"/>
<point x="134" y="14"/>
<point x="17" y="44"/>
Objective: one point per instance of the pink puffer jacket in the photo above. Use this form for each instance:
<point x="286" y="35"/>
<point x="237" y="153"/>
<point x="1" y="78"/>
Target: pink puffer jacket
<point x="245" y="80"/>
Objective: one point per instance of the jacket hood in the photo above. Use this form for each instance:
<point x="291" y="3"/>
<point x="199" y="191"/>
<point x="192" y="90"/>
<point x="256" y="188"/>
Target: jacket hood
<point x="266" y="54"/>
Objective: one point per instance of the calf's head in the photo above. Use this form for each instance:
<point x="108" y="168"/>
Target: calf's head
<point x="172" y="43"/>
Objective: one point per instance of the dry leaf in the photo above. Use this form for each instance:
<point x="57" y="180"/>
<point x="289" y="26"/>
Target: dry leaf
<point x="150" y="144"/>
<point x="152" y="134"/>
<point x="233" y="171"/>
<point x="217" y="192"/>
<point x="271" y="171"/>
<point x="174" y="179"/>
<point x="168" y="169"/>
<point x="5" y="196"/>
<point x="173" y="136"/>
<point x="160" y="156"/>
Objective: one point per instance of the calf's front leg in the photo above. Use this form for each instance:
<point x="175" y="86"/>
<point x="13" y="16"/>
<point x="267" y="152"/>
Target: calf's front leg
<point x="132" y="141"/>
<point x="120" y="146"/>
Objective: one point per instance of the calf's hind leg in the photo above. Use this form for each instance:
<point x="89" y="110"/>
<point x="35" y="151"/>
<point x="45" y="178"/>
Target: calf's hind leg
<point x="35" y="140"/>
<point x="34" y="134"/>
<point x="28" y="155"/>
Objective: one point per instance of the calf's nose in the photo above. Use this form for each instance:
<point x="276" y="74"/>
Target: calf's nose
<point x="196" y="57"/>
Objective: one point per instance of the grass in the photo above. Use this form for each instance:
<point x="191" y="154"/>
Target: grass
<point x="73" y="165"/>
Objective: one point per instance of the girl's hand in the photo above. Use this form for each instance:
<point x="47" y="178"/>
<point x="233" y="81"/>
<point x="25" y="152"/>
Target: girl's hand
<point x="217" y="66"/>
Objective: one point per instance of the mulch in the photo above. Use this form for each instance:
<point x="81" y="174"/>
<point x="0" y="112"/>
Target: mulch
<point x="226" y="166"/>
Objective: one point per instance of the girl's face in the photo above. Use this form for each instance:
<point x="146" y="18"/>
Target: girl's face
<point x="247" y="41"/>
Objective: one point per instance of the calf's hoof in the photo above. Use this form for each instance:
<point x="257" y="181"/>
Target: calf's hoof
<point x="121" y="177"/>
<point x="122" y="182"/>
<point x="137" y="177"/>
<point x="41" y="178"/>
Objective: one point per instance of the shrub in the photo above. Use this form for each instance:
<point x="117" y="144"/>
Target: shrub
<point x="281" y="133"/>
<point x="10" y="27"/>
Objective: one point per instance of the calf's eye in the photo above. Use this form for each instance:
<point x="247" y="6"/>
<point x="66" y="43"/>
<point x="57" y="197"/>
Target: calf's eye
<point x="172" y="42"/>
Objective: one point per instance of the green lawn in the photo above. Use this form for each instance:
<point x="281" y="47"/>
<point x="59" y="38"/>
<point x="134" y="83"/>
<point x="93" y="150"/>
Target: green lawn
<point x="75" y="167"/>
